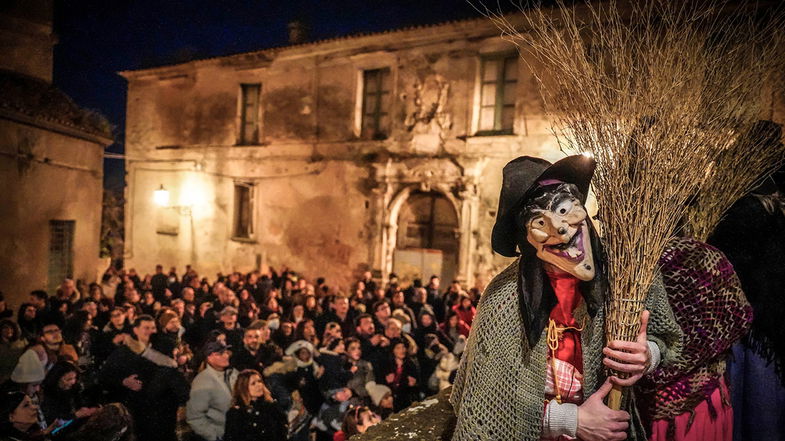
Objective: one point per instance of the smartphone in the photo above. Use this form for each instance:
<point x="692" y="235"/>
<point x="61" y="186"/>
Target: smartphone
<point x="65" y="424"/>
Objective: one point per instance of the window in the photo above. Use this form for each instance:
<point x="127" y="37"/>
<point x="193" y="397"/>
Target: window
<point x="61" y="252"/>
<point x="499" y="76"/>
<point x="243" y="211"/>
<point x="249" y="114"/>
<point x="376" y="104"/>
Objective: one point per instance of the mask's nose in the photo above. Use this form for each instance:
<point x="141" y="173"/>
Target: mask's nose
<point x="557" y="227"/>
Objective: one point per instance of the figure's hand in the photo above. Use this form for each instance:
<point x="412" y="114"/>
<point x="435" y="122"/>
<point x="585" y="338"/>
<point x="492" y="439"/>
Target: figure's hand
<point x="412" y="381"/>
<point x="133" y="382"/>
<point x="633" y="358"/>
<point x="85" y="412"/>
<point x="598" y="422"/>
<point x="353" y="369"/>
<point x="390" y="378"/>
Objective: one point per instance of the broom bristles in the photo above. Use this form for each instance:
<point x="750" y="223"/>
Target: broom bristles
<point x="656" y="91"/>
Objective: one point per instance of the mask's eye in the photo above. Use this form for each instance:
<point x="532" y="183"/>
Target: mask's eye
<point x="538" y="222"/>
<point x="564" y="207"/>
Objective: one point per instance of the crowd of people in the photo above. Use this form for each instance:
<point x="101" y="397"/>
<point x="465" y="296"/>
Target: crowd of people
<point x="257" y="356"/>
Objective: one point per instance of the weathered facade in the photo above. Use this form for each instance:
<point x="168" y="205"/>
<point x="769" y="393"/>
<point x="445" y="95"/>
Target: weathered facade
<point x="51" y="163"/>
<point x="332" y="182"/>
<point x="380" y="152"/>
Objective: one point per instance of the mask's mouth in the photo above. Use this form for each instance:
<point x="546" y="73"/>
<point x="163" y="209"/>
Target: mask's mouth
<point x="571" y="250"/>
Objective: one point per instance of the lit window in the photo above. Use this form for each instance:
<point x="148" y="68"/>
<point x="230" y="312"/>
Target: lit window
<point x="499" y="77"/>
<point x="243" y="210"/>
<point x="249" y="114"/>
<point x="376" y="104"/>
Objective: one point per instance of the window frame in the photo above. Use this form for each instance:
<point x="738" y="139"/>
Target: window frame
<point x="243" y="138"/>
<point x="378" y="132"/>
<point x="250" y="234"/>
<point x="500" y="82"/>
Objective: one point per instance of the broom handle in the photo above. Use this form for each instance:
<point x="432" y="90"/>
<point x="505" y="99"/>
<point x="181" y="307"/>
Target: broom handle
<point x="614" y="397"/>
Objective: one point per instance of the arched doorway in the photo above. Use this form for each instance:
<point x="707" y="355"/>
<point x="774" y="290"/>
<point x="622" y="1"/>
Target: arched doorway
<point x="427" y="239"/>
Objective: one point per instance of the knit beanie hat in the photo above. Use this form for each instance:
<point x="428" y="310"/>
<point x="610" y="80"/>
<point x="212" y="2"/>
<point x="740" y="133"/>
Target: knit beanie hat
<point x="377" y="392"/>
<point x="29" y="369"/>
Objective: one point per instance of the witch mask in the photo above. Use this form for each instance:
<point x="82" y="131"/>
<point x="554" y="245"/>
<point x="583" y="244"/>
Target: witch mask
<point x="556" y="225"/>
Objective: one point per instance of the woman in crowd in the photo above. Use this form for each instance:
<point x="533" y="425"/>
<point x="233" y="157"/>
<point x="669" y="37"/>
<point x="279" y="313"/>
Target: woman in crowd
<point x="453" y="326"/>
<point x="307" y="331"/>
<point x="12" y="345"/>
<point x="27" y="319"/>
<point x="18" y="418"/>
<point x="61" y="394"/>
<point x="254" y="415"/>
<point x="357" y="420"/>
<point x="401" y="374"/>
<point x="465" y="309"/>
<point x="79" y="333"/>
<point x="362" y="370"/>
<point x="331" y="332"/>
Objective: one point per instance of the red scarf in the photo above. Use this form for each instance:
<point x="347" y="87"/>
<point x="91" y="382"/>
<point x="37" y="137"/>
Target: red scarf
<point x="569" y="297"/>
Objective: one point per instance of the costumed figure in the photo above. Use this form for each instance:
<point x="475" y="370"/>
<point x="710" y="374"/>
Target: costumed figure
<point x="533" y="368"/>
<point x="751" y="235"/>
<point x="688" y="399"/>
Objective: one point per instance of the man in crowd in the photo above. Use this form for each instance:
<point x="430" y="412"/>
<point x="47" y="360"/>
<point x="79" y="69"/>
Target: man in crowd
<point x="211" y="393"/>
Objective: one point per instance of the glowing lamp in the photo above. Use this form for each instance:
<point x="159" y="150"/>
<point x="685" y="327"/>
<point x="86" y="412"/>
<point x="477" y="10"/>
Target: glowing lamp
<point x="161" y="197"/>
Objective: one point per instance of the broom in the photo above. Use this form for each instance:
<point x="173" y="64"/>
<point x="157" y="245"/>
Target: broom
<point x="655" y="91"/>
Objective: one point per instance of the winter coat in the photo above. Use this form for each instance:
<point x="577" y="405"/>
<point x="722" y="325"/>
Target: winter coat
<point x="336" y="375"/>
<point x="168" y="390"/>
<point x="210" y="399"/>
<point x="363" y="375"/>
<point x="262" y="421"/>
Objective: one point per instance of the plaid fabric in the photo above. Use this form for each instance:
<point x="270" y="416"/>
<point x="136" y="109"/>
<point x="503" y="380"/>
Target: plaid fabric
<point x="570" y="382"/>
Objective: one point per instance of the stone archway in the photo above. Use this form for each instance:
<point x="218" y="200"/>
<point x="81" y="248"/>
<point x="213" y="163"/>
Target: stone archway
<point x="427" y="237"/>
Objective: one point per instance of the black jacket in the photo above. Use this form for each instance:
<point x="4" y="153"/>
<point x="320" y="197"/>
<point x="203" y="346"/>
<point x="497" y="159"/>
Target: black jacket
<point x="262" y="421"/>
<point x="166" y="390"/>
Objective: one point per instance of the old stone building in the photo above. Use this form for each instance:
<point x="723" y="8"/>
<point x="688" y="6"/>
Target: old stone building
<point x="380" y="152"/>
<point x="51" y="163"/>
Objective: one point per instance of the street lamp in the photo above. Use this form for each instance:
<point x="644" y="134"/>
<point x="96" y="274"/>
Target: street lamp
<point x="161" y="197"/>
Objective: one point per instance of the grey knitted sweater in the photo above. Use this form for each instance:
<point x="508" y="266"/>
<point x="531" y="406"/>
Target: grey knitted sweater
<point x="499" y="389"/>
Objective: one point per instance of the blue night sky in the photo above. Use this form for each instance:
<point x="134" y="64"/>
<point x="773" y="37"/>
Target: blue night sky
<point x="97" y="39"/>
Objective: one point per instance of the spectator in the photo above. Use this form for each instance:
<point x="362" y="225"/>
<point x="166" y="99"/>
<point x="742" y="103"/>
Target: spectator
<point x="373" y="344"/>
<point x="18" y="418"/>
<point x="465" y="309"/>
<point x="398" y="304"/>
<point x="331" y="413"/>
<point x="306" y="374"/>
<point x="159" y="283"/>
<point x="400" y="374"/>
<point x="248" y="356"/>
<point x="112" y="422"/>
<point x="381" y="313"/>
<point x="362" y="371"/>
<point x="125" y="373"/>
<point x="453" y="326"/>
<point x="339" y="313"/>
<point x="12" y="345"/>
<point x="4" y="311"/>
<point x="211" y="393"/>
<point x="284" y="335"/>
<point x="63" y="394"/>
<point x="357" y="420"/>
<point x="254" y="415"/>
<point x="112" y="335"/>
<point x="28" y="321"/>
<point x="331" y="332"/>
<point x="306" y="331"/>
<point x="382" y="401"/>
<point x="336" y="369"/>
<point x="79" y="333"/>
<point x="166" y="387"/>
<point x="229" y="326"/>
